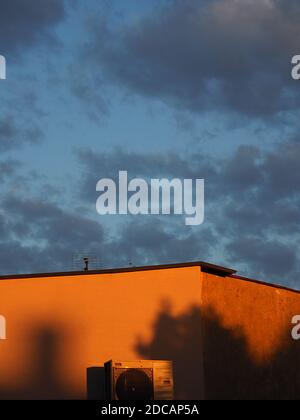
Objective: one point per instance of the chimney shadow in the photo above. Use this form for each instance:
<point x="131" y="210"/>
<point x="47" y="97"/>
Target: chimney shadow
<point x="42" y="381"/>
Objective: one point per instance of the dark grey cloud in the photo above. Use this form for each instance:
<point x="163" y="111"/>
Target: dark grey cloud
<point x="90" y="90"/>
<point x="259" y="218"/>
<point x="46" y="220"/>
<point x="252" y="215"/>
<point x="252" y="208"/>
<point x="270" y="258"/>
<point x="7" y="168"/>
<point x="199" y="55"/>
<point x="262" y="188"/>
<point x="154" y="241"/>
<point x="13" y="134"/>
<point x="243" y="236"/>
<point x="25" y="23"/>
<point x="39" y="235"/>
<point x="95" y="165"/>
<point x="18" y="258"/>
<point x="242" y="172"/>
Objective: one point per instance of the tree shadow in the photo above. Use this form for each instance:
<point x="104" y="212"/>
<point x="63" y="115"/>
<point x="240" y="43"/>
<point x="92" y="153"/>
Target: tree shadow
<point x="210" y="362"/>
<point x="226" y="370"/>
<point x="180" y="340"/>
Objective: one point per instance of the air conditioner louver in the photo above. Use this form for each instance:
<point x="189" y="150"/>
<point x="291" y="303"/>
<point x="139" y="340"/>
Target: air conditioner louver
<point x="140" y="380"/>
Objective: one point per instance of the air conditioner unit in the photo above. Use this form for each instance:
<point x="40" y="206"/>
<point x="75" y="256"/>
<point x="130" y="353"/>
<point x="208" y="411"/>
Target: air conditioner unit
<point x="139" y="380"/>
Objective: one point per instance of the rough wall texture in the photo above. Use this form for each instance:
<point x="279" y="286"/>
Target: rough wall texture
<point x="248" y="349"/>
<point x="59" y="328"/>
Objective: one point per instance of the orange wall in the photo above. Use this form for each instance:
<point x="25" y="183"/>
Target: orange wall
<point x="58" y="327"/>
<point x="248" y="348"/>
<point x="239" y="331"/>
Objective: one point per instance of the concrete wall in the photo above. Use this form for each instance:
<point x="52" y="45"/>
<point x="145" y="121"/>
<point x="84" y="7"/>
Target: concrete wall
<point x="61" y="330"/>
<point x="249" y="352"/>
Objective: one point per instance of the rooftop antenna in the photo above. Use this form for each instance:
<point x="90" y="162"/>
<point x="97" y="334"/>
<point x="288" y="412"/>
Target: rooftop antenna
<point x="85" y="260"/>
<point x="86" y="263"/>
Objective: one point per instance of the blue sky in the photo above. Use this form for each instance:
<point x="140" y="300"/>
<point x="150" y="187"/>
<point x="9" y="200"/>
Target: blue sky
<point x="165" y="88"/>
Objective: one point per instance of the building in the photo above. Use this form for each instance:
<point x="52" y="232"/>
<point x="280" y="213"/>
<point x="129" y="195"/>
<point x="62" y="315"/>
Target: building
<point x="229" y="337"/>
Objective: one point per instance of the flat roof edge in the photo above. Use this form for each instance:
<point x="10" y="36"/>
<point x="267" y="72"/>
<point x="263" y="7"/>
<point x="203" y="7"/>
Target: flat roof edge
<point x="264" y="283"/>
<point x="206" y="267"/>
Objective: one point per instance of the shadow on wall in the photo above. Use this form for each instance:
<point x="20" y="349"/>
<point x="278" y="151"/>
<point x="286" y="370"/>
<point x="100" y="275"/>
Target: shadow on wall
<point x="178" y="339"/>
<point x="229" y="371"/>
<point x="41" y="382"/>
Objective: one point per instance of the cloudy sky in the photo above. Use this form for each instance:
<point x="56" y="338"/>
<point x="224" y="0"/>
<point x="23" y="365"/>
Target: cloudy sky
<point x="164" y="88"/>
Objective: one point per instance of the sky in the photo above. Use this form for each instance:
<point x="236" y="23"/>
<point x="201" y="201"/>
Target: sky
<point x="197" y="89"/>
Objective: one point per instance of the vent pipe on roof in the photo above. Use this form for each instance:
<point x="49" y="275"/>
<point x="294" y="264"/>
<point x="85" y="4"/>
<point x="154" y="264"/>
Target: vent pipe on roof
<point x="86" y="264"/>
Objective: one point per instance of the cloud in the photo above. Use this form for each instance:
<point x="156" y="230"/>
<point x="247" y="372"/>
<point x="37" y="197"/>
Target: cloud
<point x="46" y="220"/>
<point x="260" y="214"/>
<point x="158" y="241"/>
<point x="247" y="226"/>
<point x="227" y="55"/>
<point x="90" y="90"/>
<point x="7" y="169"/>
<point x="107" y="165"/>
<point x="252" y="203"/>
<point x="38" y="232"/>
<point x="271" y="259"/>
<point x="25" y="23"/>
<point x="261" y="188"/>
<point x="13" y="135"/>
<point x="40" y="235"/>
